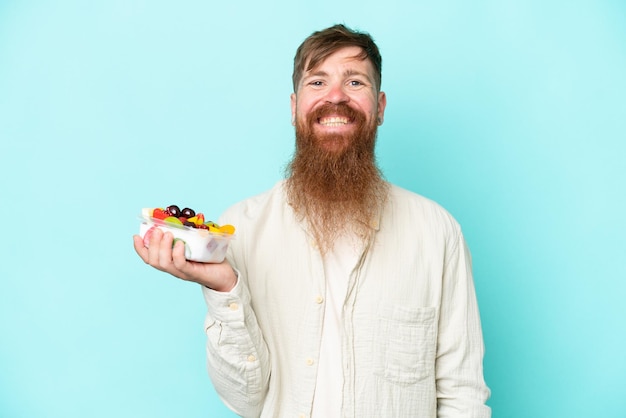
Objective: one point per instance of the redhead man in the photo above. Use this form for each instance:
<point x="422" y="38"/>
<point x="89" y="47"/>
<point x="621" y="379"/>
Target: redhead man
<point x="343" y="295"/>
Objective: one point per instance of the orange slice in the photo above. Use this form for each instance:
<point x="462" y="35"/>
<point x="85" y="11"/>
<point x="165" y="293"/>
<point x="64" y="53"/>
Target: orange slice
<point x="227" y="229"/>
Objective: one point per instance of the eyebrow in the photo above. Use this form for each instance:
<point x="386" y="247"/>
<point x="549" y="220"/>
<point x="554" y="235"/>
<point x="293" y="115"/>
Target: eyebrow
<point x="354" y="72"/>
<point x="348" y="72"/>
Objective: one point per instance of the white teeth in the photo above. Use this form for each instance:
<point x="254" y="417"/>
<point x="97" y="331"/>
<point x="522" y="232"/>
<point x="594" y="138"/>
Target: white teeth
<point x="333" y="121"/>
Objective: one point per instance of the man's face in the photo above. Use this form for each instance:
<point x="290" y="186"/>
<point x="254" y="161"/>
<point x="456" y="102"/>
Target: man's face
<point x="337" y="99"/>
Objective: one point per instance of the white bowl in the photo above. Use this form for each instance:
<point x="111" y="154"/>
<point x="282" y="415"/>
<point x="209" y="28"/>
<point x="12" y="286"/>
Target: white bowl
<point x="201" y="245"/>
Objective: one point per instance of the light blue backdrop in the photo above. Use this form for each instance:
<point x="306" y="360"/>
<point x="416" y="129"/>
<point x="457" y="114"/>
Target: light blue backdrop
<point x="510" y="114"/>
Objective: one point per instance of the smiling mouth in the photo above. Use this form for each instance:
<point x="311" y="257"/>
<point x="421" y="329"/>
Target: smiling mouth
<point x="333" y="121"/>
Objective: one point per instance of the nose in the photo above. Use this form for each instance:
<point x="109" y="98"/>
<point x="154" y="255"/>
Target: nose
<point x="336" y="94"/>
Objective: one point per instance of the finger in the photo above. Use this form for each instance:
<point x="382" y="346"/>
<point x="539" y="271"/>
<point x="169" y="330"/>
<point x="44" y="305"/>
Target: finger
<point x="165" y="250"/>
<point x="154" y="247"/>
<point x="178" y="255"/>
<point x="140" y="248"/>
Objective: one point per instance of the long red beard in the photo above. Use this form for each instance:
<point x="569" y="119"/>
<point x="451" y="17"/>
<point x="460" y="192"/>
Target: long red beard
<point x="336" y="189"/>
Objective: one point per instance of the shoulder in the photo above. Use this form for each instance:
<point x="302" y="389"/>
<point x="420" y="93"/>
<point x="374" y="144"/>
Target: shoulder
<point x="255" y="206"/>
<point x="414" y="207"/>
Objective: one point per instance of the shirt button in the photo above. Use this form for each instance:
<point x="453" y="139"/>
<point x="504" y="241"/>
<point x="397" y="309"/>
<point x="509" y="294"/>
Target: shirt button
<point x="251" y="358"/>
<point x="233" y="306"/>
<point x="319" y="299"/>
<point x="309" y="361"/>
<point x="301" y="416"/>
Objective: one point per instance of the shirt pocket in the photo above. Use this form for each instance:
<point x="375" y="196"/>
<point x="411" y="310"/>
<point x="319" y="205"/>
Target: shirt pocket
<point x="404" y="351"/>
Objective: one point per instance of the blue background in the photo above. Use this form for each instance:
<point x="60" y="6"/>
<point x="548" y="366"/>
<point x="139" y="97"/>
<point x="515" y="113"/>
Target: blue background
<point x="511" y="114"/>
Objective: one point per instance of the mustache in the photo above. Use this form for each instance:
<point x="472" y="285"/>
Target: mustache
<point x="338" y="109"/>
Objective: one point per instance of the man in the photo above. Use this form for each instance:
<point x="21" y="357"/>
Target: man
<point x="343" y="295"/>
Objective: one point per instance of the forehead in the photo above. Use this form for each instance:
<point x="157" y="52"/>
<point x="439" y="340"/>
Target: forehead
<point x="343" y="59"/>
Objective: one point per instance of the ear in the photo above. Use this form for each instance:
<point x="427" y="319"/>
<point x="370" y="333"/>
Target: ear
<point x="293" y="109"/>
<point x="382" y="103"/>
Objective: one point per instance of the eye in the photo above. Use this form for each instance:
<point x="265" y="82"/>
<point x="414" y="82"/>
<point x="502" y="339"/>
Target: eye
<point x="316" y="83"/>
<point x="357" y="83"/>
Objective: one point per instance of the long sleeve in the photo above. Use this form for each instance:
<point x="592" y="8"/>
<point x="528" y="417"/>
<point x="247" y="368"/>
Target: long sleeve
<point x="461" y="389"/>
<point x="412" y="343"/>
<point x="237" y="356"/>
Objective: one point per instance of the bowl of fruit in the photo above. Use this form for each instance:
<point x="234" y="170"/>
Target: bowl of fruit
<point x="205" y="241"/>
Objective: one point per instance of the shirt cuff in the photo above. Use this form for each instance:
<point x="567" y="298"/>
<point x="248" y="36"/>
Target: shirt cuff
<point x="227" y="306"/>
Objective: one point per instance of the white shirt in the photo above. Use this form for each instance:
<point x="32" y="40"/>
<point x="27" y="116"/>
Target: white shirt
<point x="411" y="342"/>
<point x="338" y="265"/>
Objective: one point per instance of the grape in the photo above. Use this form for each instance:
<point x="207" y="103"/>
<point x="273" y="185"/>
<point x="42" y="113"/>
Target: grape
<point x="188" y="213"/>
<point x="173" y="210"/>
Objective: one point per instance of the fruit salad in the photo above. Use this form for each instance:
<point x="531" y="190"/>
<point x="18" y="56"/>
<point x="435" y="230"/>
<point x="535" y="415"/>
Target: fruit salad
<point x="205" y="241"/>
